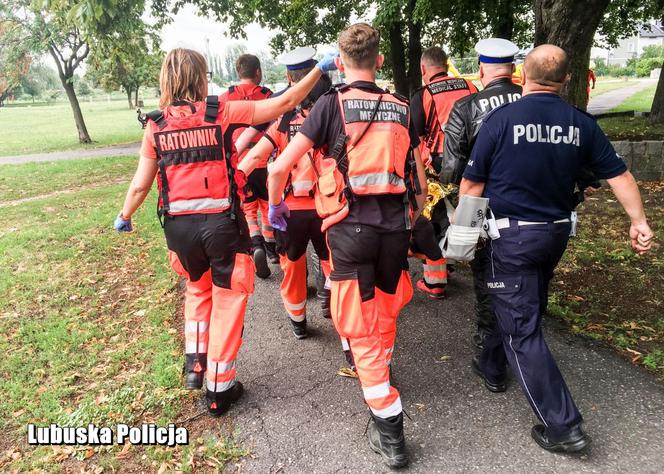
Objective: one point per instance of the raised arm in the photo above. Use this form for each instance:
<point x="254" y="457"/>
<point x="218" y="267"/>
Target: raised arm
<point x="269" y="109"/>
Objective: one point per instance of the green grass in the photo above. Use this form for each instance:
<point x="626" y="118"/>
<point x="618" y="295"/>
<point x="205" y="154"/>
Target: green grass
<point x="639" y="102"/>
<point x="603" y="86"/>
<point x="51" y="127"/>
<point x="35" y="179"/>
<point x="604" y="290"/>
<point x="89" y="323"/>
<point x="631" y="128"/>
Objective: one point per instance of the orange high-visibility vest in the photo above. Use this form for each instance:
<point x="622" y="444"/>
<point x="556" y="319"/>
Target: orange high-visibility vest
<point x="195" y="170"/>
<point x="378" y="141"/>
<point x="438" y="98"/>
<point x="245" y="92"/>
<point x="302" y="177"/>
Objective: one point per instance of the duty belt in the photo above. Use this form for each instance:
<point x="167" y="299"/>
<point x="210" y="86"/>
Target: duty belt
<point x="504" y="223"/>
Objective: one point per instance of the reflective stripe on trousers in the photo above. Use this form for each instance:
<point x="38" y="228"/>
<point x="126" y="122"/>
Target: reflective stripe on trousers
<point x="435" y="271"/>
<point x="294" y="286"/>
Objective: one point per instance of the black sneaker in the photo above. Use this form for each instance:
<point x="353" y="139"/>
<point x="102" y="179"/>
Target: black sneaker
<point x="260" y="261"/>
<point x="386" y="438"/>
<point x="495" y="387"/>
<point x="573" y="441"/>
<point x="271" y="250"/>
<point x="299" y="328"/>
<point x="219" y="403"/>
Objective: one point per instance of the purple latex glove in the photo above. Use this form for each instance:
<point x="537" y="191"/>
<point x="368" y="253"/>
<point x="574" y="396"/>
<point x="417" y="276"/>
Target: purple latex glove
<point x="277" y="216"/>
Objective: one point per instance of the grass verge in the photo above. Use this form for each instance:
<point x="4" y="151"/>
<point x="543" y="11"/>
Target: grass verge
<point x="48" y="128"/>
<point x="605" y="291"/>
<point x="90" y="330"/>
<point x="631" y="128"/>
<point x="639" y="102"/>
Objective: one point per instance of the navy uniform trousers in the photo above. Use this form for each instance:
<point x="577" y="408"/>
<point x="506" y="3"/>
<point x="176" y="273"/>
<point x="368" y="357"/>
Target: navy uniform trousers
<point x="521" y="266"/>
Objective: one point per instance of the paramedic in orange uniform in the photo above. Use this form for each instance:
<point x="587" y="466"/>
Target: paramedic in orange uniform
<point x="431" y="106"/>
<point x="248" y="68"/>
<point x="304" y="225"/>
<point x="187" y="147"/>
<point x="363" y="195"/>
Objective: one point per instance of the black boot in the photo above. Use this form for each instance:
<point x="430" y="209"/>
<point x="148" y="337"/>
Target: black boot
<point x="218" y="403"/>
<point x="194" y="371"/>
<point x="321" y="292"/>
<point x="495" y="386"/>
<point x="349" y="360"/>
<point x="271" y="250"/>
<point x="299" y="328"/>
<point x="386" y="438"/>
<point x="325" y="305"/>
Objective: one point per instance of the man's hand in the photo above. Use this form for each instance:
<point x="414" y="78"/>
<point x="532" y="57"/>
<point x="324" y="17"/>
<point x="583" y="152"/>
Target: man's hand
<point x="327" y="63"/>
<point x="123" y="225"/>
<point x="277" y="216"/>
<point x="589" y="191"/>
<point x="641" y="236"/>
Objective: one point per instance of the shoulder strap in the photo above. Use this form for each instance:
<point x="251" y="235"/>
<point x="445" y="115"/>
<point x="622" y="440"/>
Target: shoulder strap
<point x="286" y="119"/>
<point x="265" y="91"/>
<point x="231" y="89"/>
<point x="157" y="116"/>
<point x="211" y="108"/>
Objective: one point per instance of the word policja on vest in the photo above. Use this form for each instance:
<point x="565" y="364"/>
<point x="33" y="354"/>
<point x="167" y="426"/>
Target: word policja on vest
<point x="146" y="434"/>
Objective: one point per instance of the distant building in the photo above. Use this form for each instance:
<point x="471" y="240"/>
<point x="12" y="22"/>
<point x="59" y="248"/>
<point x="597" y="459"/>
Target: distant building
<point x="650" y="34"/>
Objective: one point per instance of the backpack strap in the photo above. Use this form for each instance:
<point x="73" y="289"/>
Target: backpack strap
<point x="157" y="116"/>
<point x="265" y="91"/>
<point x="211" y="108"/>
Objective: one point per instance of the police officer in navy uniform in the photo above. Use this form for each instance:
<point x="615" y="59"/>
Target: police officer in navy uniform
<point x="496" y="68"/>
<point x="525" y="160"/>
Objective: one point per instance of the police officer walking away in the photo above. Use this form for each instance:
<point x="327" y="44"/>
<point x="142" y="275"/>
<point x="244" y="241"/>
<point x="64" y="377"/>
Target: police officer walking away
<point x="525" y="160"/>
<point x="463" y="125"/>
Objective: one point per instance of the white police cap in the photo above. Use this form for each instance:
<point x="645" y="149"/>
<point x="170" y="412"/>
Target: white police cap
<point x="496" y="50"/>
<point x="299" y="58"/>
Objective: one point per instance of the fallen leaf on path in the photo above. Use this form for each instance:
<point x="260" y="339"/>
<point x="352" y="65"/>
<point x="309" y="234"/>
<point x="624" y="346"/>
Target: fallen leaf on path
<point x="347" y="372"/>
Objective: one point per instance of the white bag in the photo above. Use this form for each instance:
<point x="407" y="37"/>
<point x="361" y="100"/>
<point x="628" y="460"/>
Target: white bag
<point x="461" y="238"/>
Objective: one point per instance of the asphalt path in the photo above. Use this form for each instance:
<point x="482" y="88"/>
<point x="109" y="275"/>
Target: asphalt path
<point x="298" y="416"/>
<point x="112" y="150"/>
<point x="603" y="103"/>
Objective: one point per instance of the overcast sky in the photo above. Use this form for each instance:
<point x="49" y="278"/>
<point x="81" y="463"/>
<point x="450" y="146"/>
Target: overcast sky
<point x="191" y="31"/>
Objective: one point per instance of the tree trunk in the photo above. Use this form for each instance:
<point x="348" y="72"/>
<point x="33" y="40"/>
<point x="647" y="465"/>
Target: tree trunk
<point x="136" y="96"/>
<point x="67" y="79"/>
<point x="414" y="49"/>
<point x="398" y="57"/>
<point x="129" y="91"/>
<point x="657" y="108"/>
<point x="503" y="25"/>
<point x="83" y="135"/>
<point x="570" y="25"/>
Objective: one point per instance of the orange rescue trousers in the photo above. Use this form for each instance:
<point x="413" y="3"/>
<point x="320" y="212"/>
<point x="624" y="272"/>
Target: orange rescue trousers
<point x="212" y="252"/>
<point x="370" y="285"/>
<point x="257" y="202"/>
<point x="303" y="227"/>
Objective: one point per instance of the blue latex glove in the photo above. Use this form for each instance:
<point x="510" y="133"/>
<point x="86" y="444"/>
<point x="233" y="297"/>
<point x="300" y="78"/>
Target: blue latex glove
<point x="122" y="225"/>
<point x="327" y="63"/>
<point x="277" y="216"/>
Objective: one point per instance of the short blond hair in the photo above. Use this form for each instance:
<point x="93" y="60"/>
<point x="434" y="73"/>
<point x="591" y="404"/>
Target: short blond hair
<point x="359" y="44"/>
<point x="183" y="76"/>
